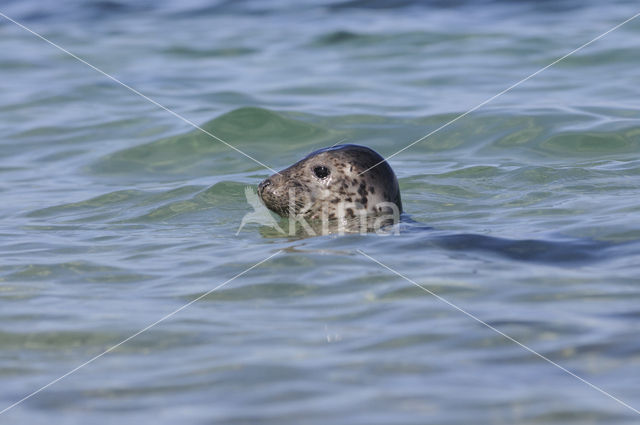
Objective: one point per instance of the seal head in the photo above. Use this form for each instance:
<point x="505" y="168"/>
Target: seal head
<point x="328" y="183"/>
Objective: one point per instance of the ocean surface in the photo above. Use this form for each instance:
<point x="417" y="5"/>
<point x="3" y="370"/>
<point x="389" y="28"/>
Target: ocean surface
<point x="115" y="213"/>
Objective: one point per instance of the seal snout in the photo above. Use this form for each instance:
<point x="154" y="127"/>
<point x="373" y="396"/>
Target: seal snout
<point x="265" y="183"/>
<point x="272" y="191"/>
<point x="264" y="189"/>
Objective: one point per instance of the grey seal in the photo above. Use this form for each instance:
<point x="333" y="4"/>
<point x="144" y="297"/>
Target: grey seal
<point x="335" y="183"/>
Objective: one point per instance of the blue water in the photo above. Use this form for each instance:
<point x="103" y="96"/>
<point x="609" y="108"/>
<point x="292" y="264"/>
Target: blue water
<point x="115" y="213"/>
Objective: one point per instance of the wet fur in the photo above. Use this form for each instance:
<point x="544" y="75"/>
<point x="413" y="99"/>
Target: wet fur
<point x="344" y="191"/>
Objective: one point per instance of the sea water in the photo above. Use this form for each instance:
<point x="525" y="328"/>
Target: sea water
<point x="115" y="213"/>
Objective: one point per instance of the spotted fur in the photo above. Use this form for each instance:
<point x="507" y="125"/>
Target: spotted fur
<point x="343" y="192"/>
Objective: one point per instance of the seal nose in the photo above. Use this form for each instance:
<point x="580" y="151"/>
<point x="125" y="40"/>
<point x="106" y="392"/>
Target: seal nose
<point x="265" y="183"/>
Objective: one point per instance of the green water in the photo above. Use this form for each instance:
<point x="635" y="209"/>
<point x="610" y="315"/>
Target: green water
<point x="115" y="213"/>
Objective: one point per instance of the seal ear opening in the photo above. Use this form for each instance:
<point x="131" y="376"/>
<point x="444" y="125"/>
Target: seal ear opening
<point x="321" y="171"/>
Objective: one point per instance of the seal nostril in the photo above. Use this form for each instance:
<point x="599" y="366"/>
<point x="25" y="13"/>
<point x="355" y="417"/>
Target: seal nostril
<point x="264" y="184"/>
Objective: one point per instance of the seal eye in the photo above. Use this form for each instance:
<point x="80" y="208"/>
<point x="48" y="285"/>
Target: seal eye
<point x="321" y="171"/>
